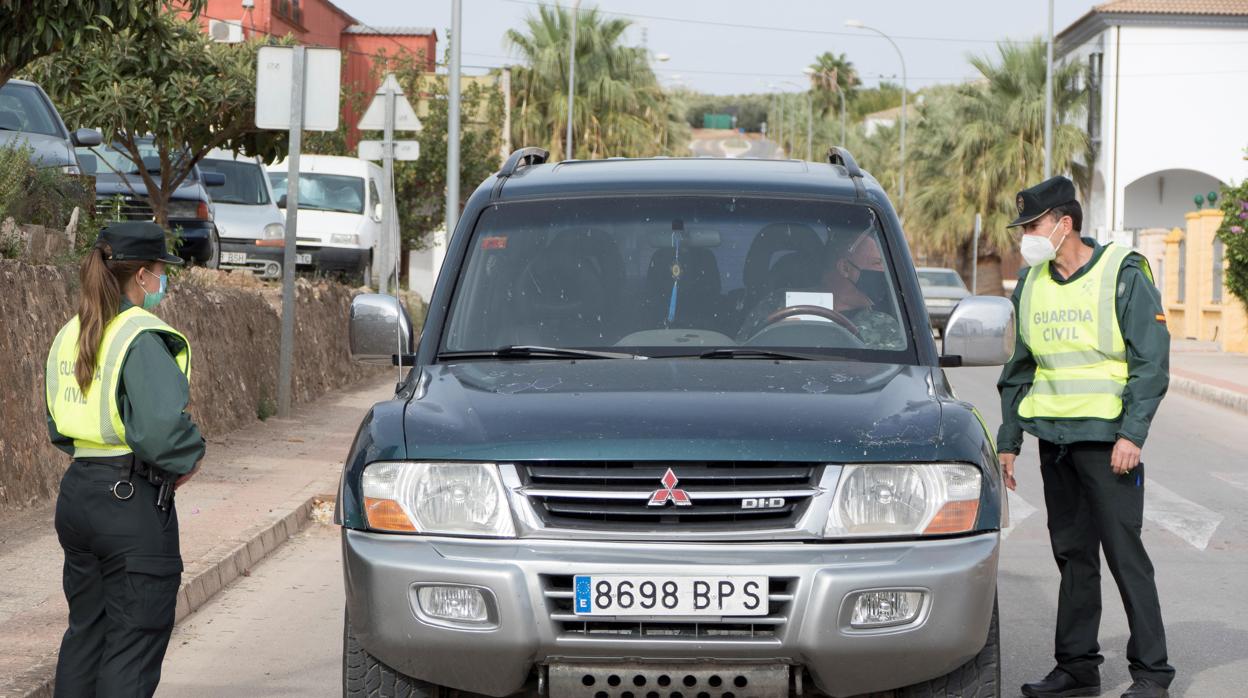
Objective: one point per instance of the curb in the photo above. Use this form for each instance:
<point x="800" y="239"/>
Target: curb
<point x="1229" y="399"/>
<point x="204" y="578"/>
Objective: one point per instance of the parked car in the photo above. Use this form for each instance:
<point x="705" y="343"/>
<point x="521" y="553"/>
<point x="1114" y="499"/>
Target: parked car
<point x="120" y="194"/>
<point x="27" y="117"/>
<point x="642" y="446"/>
<point x="340" y="213"/>
<point x="942" y="291"/>
<point x="251" y="226"/>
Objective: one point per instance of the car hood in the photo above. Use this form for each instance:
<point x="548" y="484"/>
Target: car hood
<point x="945" y="292"/>
<point x="243" y="221"/>
<point x="109" y="185"/>
<point x="684" y="409"/>
<point x="50" y="151"/>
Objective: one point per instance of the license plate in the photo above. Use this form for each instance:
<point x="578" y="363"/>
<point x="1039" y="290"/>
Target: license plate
<point x="233" y="257"/>
<point x="640" y="595"/>
<point x="303" y="258"/>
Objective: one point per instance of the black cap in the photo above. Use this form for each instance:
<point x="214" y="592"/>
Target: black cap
<point x="1040" y="199"/>
<point x="137" y="241"/>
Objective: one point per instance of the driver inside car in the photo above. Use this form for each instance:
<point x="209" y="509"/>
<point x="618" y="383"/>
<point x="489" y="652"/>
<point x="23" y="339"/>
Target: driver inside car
<point x="856" y="276"/>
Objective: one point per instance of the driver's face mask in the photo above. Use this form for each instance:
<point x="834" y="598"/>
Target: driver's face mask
<point x="872" y="281"/>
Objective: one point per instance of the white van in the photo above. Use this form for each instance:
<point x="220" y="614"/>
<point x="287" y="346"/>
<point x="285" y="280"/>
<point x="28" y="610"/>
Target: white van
<point x="251" y="227"/>
<point x="340" y="212"/>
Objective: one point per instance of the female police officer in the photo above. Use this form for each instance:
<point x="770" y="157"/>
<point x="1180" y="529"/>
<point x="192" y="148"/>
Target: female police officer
<point x="117" y="388"/>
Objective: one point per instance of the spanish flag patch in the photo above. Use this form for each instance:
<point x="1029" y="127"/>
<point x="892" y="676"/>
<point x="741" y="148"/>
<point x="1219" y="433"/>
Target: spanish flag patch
<point x="1161" y="318"/>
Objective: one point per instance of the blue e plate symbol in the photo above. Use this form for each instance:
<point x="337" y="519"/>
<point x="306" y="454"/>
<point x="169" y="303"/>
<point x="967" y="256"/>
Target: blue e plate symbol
<point x="582" y="585"/>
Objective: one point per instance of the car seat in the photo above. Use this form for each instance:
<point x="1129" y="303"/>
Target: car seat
<point x="699" y="303"/>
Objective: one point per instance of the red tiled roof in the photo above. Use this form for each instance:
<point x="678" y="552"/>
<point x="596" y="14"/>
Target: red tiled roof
<point x="1174" y="7"/>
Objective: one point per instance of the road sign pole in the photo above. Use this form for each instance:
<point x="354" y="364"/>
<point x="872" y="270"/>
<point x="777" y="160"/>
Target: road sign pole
<point x="387" y="245"/>
<point x="285" y="357"/>
<point x="975" y="255"/>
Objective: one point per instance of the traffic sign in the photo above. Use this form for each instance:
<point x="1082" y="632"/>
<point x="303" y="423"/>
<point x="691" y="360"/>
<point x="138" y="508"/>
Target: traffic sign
<point x="403" y="150"/>
<point x="405" y="118"/>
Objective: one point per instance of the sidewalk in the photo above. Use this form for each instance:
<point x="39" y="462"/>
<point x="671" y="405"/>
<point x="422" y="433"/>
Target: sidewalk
<point x="257" y="487"/>
<point x="1200" y="370"/>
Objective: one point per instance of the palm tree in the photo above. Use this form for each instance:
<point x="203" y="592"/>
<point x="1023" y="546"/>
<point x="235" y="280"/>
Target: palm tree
<point x="620" y="108"/>
<point x="978" y="144"/>
<point x="830" y="73"/>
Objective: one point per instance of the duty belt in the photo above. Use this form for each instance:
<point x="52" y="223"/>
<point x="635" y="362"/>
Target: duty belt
<point x="132" y="465"/>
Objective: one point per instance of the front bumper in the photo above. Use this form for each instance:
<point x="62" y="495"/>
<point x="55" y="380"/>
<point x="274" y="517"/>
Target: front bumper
<point x="959" y="576"/>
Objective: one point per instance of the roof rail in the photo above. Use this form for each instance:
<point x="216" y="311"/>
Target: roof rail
<point x="523" y="157"/>
<point x="841" y="156"/>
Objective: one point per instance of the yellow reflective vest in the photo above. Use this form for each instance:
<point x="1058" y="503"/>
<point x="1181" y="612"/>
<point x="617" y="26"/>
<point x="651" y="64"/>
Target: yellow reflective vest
<point x="93" y="418"/>
<point x="1072" y="332"/>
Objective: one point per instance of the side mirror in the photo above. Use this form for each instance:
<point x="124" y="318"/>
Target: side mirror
<point x="281" y="201"/>
<point x="377" y="210"/>
<point x="213" y="179"/>
<point x="980" y="331"/>
<point x="380" y="329"/>
<point x="86" y="138"/>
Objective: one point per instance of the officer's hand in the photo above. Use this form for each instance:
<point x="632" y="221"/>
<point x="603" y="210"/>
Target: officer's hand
<point x="1125" y="457"/>
<point x="1007" y="469"/>
<point x="187" y="476"/>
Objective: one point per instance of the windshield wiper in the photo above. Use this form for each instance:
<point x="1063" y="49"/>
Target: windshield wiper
<point x="524" y="351"/>
<point x="750" y="353"/>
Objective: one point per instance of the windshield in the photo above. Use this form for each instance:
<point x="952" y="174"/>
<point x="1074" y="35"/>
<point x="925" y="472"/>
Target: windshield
<point x="324" y="192"/>
<point x="113" y="159"/>
<point x="939" y="277"/>
<point x="244" y="182"/>
<point x="679" y="276"/>
<point x="22" y="108"/>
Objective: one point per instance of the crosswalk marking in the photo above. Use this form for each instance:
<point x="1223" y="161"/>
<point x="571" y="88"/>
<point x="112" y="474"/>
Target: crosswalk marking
<point x="1019" y="510"/>
<point x="1239" y="480"/>
<point x="1178" y="515"/>
<point x="1184" y="518"/>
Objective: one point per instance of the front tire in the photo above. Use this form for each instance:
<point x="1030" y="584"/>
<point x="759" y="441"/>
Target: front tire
<point x="213" y="261"/>
<point x="978" y="678"/>
<point x="365" y="676"/>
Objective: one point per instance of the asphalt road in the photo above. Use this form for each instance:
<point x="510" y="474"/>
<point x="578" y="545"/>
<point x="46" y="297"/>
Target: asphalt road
<point x="732" y="147"/>
<point x="279" y="631"/>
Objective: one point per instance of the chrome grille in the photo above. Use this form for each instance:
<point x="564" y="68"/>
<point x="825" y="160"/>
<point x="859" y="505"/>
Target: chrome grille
<point x="616" y="496"/>
<point x="126" y="208"/>
<point x="559" y="597"/>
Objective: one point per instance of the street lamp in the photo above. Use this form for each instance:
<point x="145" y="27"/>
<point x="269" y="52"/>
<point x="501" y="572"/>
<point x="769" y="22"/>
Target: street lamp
<point x="855" y="24"/>
<point x="576" y="10"/>
<point x="840" y="93"/>
<point x="779" y="115"/>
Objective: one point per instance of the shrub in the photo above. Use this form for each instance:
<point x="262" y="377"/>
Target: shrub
<point x="1235" y="238"/>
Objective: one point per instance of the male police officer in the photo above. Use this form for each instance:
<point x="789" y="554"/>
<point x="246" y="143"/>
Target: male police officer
<point x="1090" y="368"/>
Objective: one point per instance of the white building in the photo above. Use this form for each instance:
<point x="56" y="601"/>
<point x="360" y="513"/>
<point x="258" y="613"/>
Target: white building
<point x="1167" y="109"/>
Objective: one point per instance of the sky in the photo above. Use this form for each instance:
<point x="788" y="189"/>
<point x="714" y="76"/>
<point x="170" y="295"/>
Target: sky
<point x="773" y="40"/>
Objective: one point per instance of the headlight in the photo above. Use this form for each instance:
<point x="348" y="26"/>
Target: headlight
<point x="451" y="498"/>
<point x="904" y="500"/>
<point x="188" y="209"/>
<point x="274" y="231"/>
<point x="344" y="239"/>
<point x="71" y="170"/>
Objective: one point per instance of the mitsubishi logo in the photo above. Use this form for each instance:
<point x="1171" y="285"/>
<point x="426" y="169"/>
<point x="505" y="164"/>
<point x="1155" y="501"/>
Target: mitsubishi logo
<point x="669" y="493"/>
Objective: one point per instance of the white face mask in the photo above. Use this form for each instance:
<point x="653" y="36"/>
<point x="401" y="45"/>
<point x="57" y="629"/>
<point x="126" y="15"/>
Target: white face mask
<point x="1038" y="250"/>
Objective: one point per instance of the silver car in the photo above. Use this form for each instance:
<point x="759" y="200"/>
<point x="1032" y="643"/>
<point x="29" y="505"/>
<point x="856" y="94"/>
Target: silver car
<point x="942" y="289"/>
<point x="28" y="118"/>
<point x="251" y="226"/>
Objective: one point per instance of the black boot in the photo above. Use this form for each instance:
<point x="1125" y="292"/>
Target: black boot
<point x="1059" y="684"/>
<point x="1146" y="688"/>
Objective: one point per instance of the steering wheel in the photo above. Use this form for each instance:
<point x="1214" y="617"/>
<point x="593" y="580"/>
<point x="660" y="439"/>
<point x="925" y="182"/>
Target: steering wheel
<point x="817" y="310"/>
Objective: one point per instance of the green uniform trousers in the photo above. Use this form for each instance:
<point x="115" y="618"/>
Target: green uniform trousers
<point x="121" y="577"/>
<point x="1091" y="509"/>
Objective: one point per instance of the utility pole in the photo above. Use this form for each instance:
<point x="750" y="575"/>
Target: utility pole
<point x="975" y="255"/>
<point x="506" y="139"/>
<point x="389" y="245"/>
<point x="452" y="136"/>
<point x="285" y="358"/>
<point x="1048" y="102"/>
<point x="810" y="125"/>
<point x="901" y="185"/>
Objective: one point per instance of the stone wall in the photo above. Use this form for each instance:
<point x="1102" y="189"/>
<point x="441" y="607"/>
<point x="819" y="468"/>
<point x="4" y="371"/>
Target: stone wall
<point x="233" y="324"/>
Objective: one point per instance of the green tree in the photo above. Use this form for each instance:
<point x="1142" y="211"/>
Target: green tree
<point x="187" y="92"/>
<point x="32" y="29"/>
<point x="1234" y="235"/>
<point x="976" y="145"/>
<point x="620" y="108"/>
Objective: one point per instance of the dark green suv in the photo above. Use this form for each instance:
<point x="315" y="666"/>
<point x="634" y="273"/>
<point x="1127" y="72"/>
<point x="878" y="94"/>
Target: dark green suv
<point x="674" y="427"/>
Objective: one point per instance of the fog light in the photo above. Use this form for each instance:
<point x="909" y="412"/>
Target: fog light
<point x="878" y="609"/>
<point x="454" y="603"/>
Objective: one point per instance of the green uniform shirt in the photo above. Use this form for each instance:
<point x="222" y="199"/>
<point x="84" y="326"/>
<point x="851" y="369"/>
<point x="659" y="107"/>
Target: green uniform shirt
<point x="1148" y="363"/>
<point x="153" y="396"/>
